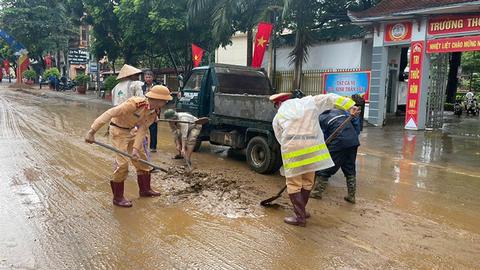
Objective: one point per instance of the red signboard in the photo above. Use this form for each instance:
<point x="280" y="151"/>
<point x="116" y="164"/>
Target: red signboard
<point x="462" y="44"/>
<point x="454" y="24"/>
<point x="398" y="32"/>
<point x="414" y="83"/>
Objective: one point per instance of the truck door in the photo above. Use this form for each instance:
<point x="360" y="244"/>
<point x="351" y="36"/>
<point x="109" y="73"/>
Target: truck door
<point x="192" y="92"/>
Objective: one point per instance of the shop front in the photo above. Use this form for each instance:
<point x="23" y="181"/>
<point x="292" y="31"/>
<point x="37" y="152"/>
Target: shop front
<point x="412" y="46"/>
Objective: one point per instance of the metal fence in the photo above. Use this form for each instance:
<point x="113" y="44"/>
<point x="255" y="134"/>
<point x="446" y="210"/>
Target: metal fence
<point x="312" y="81"/>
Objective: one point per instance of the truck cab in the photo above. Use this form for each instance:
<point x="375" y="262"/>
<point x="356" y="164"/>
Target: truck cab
<point x="236" y="99"/>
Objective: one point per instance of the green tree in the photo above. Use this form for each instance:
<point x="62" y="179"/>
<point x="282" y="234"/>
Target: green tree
<point x="145" y="32"/>
<point x="105" y="29"/>
<point x="41" y="25"/>
<point x="471" y="67"/>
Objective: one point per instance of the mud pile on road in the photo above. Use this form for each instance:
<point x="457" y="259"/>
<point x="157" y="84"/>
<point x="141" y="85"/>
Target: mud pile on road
<point x="217" y="193"/>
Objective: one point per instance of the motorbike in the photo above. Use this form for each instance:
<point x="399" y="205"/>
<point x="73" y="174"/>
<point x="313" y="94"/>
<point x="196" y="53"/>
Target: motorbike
<point x="68" y="85"/>
<point x="457" y="108"/>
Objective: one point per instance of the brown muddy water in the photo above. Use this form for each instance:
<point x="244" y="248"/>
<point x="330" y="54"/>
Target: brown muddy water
<point x="417" y="208"/>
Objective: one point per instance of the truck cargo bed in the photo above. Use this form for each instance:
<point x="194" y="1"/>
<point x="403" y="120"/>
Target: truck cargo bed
<point x="251" y="107"/>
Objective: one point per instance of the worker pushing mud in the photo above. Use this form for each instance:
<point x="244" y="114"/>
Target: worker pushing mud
<point x="302" y="144"/>
<point x="184" y="134"/>
<point x="129" y="124"/>
<point x="343" y="150"/>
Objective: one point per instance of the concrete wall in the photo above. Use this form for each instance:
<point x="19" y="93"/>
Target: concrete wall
<point x="236" y="53"/>
<point x="347" y="54"/>
<point x="332" y="55"/>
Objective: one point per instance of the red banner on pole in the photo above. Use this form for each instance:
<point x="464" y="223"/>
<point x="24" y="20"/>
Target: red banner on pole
<point x="261" y="42"/>
<point x="446" y="45"/>
<point x="6" y="66"/>
<point x="197" y="55"/>
<point x="414" y="84"/>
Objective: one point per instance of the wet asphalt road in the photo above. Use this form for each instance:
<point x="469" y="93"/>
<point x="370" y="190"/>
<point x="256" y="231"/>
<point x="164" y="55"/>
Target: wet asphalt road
<point x="418" y="201"/>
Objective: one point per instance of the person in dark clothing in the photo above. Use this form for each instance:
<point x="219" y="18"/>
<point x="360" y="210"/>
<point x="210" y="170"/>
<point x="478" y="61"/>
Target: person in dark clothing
<point x="149" y="83"/>
<point x="53" y="82"/>
<point x="343" y="150"/>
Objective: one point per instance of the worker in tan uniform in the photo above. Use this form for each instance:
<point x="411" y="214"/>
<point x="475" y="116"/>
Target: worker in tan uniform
<point x="129" y="124"/>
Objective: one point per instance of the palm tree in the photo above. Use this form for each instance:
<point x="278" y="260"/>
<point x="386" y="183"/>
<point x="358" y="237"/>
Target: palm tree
<point x="229" y="16"/>
<point x="302" y="17"/>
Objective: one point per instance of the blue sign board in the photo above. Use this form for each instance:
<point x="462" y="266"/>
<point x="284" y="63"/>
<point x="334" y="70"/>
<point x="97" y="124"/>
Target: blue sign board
<point x="347" y="83"/>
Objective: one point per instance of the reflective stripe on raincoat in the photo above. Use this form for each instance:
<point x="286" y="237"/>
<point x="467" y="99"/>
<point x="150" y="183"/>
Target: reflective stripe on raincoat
<point x="298" y="131"/>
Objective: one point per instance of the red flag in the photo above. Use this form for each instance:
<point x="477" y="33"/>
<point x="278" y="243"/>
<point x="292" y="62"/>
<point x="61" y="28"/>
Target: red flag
<point x="24" y="62"/>
<point x="6" y="66"/>
<point x="197" y="54"/>
<point x="261" y="42"/>
<point x="48" y="61"/>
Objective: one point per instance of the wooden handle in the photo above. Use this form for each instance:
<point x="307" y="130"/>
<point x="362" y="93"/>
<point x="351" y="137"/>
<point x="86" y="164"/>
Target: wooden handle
<point x="130" y="156"/>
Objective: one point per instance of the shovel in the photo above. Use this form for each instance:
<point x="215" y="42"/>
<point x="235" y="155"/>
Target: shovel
<point x="130" y="156"/>
<point x="266" y="203"/>
<point x="200" y="121"/>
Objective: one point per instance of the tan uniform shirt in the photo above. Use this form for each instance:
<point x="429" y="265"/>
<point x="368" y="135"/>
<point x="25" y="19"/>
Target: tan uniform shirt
<point x="133" y="113"/>
<point x="181" y="130"/>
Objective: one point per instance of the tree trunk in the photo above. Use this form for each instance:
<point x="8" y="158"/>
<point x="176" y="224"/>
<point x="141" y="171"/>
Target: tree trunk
<point x="297" y="74"/>
<point x="249" y="46"/>
<point x="452" y="84"/>
<point x="57" y="56"/>
<point x="298" y="60"/>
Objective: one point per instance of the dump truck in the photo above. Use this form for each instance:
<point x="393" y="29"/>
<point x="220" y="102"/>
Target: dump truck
<point x="236" y="100"/>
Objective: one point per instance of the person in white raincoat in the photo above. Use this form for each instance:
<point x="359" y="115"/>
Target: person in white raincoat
<point x="302" y="144"/>
<point x="129" y="85"/>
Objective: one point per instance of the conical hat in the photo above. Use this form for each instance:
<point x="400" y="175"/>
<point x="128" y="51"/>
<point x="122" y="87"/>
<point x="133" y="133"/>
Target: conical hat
<point x="128" y="71"/>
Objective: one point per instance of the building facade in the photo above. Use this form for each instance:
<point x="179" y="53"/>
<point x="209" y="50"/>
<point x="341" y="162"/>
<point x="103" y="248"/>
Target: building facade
<point x="420" y="35"/>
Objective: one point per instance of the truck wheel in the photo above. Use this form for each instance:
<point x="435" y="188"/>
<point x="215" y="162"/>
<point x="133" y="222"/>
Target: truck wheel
<point x="277" y="162"/>
<point x="260" y="157"/>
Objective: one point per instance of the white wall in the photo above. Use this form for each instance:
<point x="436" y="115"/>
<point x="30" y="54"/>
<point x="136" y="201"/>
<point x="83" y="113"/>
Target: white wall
<point x="348" y="54"/>
<point x="332" y="55"/>
<point x="235" y="54"/>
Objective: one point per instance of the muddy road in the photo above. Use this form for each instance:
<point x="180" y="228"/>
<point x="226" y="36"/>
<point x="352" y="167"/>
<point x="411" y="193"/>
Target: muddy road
<point x="417" y="207"/>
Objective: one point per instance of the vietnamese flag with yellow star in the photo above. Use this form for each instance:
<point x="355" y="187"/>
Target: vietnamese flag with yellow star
<point x="261" y="42"/>
<point x="197" y="54"/>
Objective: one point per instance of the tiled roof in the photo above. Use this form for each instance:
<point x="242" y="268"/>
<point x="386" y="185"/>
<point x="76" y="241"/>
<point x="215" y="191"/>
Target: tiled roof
<point x="388" y="7"/>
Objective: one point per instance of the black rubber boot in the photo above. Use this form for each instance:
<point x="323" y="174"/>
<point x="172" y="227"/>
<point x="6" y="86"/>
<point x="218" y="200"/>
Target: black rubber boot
<point x="299" y="208"/>
<point x="118" y="199"/>
<point x="320" y="186"/>
<point x="352" y="187"/>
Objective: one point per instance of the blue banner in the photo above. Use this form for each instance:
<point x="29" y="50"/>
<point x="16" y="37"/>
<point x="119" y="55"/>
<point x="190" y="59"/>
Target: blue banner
<point x="15" y="45"/>
<point x="347" y="83"/>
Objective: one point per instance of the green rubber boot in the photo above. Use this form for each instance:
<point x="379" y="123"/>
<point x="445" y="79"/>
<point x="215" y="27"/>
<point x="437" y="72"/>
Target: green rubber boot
<point x="320" y="186"/>
<point x="351" y="186"/>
